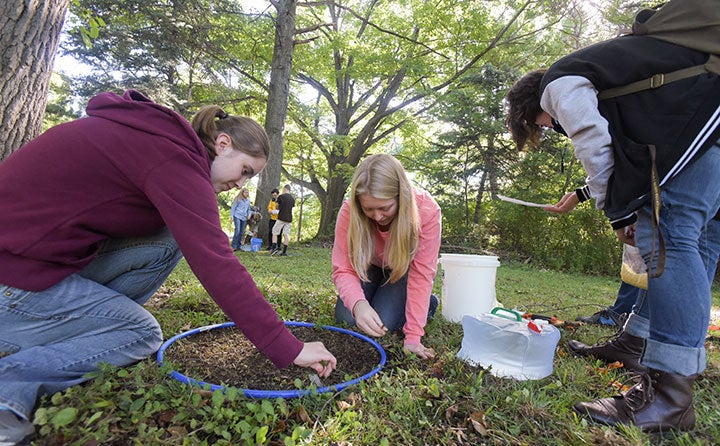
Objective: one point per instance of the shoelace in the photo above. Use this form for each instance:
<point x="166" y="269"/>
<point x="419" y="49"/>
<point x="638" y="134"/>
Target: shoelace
<point x="641" y="394"/>
<point x="616" y="317"/>
<point x="609" y="338"/>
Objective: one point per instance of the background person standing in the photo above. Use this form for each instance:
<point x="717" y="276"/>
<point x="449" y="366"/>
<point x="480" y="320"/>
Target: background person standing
<point x="285" y="204"/>
<point x="273" y="213"/>
<point x="239" y="212"/>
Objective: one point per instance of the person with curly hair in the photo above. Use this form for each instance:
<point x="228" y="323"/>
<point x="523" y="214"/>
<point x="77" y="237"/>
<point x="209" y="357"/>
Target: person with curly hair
<point x="653" y="163"/>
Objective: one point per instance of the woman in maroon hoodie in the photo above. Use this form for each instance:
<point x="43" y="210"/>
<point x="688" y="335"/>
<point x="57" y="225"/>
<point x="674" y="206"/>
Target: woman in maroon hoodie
<point x="95" y="214"/>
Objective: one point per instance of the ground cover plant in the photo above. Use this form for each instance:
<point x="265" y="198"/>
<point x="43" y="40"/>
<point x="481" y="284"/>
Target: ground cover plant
<point x="412" y="401"/>
<point x="224" y="356"/>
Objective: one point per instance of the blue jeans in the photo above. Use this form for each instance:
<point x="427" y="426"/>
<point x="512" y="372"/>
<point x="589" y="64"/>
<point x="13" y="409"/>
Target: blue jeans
<point x="239" y="235"/>
<point x="387" y="299"/>
<point x="57" y="335"/>
<point x="626" y="297"/>
<point x="674" y="314"/>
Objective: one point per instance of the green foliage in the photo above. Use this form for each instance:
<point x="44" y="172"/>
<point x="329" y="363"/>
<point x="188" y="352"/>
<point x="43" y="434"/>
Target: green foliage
<point x="141" y="404"/>
<point x="367" y="77"/>
<point x="59" y="107"/>
<point x="581" y="242"/>
<point x="183" y="54"/>
<point x="444" y="401"/>
<point x="92" y="24"/>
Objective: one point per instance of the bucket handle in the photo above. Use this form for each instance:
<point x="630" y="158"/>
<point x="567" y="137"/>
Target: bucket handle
<point x="515" y="315"/>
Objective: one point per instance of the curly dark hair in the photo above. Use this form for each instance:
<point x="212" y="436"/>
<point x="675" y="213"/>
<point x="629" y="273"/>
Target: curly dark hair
<point x="522" y="105"/>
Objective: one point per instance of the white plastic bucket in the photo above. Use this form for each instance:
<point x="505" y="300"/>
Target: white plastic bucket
<point x="468" y="285"/>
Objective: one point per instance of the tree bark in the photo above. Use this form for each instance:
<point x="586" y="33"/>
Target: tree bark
<point x="333" y="200"/>
<point x="30" y="31"/>
<point x="278" y="94"/>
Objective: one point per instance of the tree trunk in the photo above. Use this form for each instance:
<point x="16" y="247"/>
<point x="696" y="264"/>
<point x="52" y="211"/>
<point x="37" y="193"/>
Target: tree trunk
<point x="29" y="38"/>
<point x="337" y="186"/>
<point x="277" y="105"/>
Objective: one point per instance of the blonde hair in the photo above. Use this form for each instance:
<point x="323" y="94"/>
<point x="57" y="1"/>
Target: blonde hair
<point x="383" y="177"/>
<point x="239" y="195"/>
<point x="246" y="134"/>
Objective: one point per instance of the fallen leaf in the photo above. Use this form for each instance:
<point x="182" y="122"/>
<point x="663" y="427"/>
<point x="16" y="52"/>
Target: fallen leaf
<point x="437" y="370"/>
<point x="450" y="412"/>
<point x="203" y="393"/>
<point x="302" y="415"/>
<point x="177" y="432"/>
<point x="461" y="436"/>
<point x="343" y="405"/>
<point x="620" y="387"/>
<point x="611" y="366"/>
<point x="354" y="398"/>
<point x="478" y="422"/>
<point x="616" y="365"/>
<point x="165" y="417"/>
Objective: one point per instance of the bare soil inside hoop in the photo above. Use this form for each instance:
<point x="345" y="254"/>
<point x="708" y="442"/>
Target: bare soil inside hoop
<point x="224" y="356"/>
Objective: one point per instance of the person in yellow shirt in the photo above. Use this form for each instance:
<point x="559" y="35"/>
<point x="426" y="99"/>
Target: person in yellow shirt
<point x="273" y="212"/>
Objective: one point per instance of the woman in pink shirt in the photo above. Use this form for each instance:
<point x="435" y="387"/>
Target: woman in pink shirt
<point x="387" y="239"/>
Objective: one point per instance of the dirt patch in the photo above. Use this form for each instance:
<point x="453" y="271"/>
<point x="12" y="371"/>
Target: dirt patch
<point x="226" y="357"/>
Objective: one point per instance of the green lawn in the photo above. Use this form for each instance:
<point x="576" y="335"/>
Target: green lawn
<point x="411" y="401"/>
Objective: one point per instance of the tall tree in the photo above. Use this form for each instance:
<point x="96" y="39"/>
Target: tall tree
<point x="471" y="157"/>
<point x="378" y="66"/>
<point x="196" y="52"/>
<point x="29" y="34"/>
<point x="277" y="101"/>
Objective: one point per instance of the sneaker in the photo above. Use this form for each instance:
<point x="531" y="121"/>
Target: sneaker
<point x="274" y="251"/>
<point x="283" y="253"/>
<point x="606" y="316"/>
<point x="13" y="430"/>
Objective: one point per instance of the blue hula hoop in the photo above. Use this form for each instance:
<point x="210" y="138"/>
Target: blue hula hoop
<point x="252" y="393"/>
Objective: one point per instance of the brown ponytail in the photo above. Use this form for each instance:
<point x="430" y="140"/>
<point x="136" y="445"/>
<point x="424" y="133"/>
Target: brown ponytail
<point x="247" y="135"/>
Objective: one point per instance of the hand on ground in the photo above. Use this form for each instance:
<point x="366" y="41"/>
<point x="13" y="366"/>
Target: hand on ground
<point x="420" y="350"/>
<point x="368" y="320"/>
<point x="315" y="356"/>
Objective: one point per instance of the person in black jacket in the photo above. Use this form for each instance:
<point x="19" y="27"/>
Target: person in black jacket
<point x="663" y="139"/>
<point x="285" y="204"/>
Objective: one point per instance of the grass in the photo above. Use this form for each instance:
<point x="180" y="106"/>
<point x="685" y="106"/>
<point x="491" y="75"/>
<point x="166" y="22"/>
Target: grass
<point x="410" y="402"/>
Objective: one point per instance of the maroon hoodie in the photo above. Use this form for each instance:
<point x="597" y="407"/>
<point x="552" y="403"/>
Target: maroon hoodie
<point x="126" y="170"/>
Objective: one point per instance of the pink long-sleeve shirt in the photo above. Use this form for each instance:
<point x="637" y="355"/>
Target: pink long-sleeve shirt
<point x="420" y="275"/>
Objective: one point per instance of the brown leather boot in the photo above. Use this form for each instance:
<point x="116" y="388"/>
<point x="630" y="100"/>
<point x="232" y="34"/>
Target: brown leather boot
<point x="625" y="348"/>
<point x="661" y="401"/>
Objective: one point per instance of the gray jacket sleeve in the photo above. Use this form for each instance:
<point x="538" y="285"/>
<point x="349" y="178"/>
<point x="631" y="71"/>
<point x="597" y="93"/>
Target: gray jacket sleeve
<point x="572" y="101"/>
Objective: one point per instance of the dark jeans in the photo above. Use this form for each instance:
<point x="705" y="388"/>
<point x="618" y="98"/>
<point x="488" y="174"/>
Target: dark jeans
<point x="626" y="297"/>
<point x="387" y="299"/>
<point x="271" y="223"/>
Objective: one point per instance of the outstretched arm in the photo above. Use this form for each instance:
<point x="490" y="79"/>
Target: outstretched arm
<point x="315" y="356"/>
